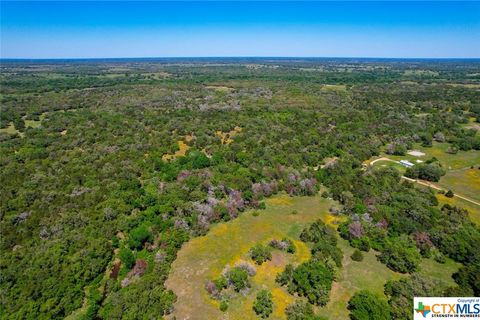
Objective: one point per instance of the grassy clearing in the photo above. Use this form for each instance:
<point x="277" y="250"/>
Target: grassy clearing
<point x="10" y="129"/>
<point x="35" y="123"/>
<point x="372" y="275"/>
<point x="182" y="149"/>
<point x="220" y="88"/>
<point x="385" y="163"/>
<point x="464" y="181"/>
<point x="226" y="137"/>
<point x="460" y="177"/>
<point x="473" y="210"/>
<point x="368" y="274"/>
<point x="438" y="150"/>
<point x="205" y="257"/>
<point x="334" y="87"/>
<point x="452" y="161"/>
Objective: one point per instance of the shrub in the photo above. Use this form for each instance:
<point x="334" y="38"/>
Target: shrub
<point x="221" y="283"/>
<point x="255" y="213"/>
<point x="139" y="236"/>
<point x="260" y="253"/>
<point x="284" y="245"/>
<point x="439" y="257"/>
<point x="223" y="306"/>
<point x="362" y="243"/>
<point x="238" y="278"/>
<point x="319" y="231"/>
<point x="127" y="258"/>
<point x="263" y="305"/>
<point x="247" y="267"/>
<point x="364" y="305"/>
<point x="300" y="310"/>
<point x="449" y="194"/>
<point x="357" y="255"/>
<point x="285" y="277"/>
<point x="115" y="242"/>
<point x="211" y="288"/>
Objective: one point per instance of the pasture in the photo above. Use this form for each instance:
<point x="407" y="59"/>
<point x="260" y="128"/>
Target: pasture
<point x="205" y="257"/>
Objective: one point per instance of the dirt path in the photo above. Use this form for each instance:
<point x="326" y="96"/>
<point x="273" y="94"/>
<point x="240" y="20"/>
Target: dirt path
<point x="433" y="186"/>
<point x="383" y="159"/>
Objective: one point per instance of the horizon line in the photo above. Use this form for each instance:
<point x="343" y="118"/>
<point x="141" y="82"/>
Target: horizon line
<point x="239" y="57"/>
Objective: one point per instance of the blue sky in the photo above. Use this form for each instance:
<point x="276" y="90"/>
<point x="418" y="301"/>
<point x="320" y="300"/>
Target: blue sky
<point x="91" y="29"/>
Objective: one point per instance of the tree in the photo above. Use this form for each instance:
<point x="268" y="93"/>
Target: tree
<point x="311" y="279"/>
<point x="449" y="194"/>
<point x="260" y="253"/>
<point x="401" y="293"/>
<point x="364" y="305"/>
<point x="263" y="305"/>
<point x="425" y="171"/>
<point x="238" y="278"/>
<point x="139" y="236"/>
<point x="401" y="255"/>
<point x="300" y="310"/>
<point x="357" y="255"/>
<point x="127" y="257"/>
<point x="223" y="306"/>
<point x="469" y="277"/>
<point x="199" y="160"/>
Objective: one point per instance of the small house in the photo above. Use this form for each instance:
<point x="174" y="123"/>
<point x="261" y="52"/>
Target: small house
<point x="406" y="163"/>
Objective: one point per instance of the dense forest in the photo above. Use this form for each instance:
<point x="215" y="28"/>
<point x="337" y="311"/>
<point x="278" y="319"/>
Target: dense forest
<point x="108" y="167"/>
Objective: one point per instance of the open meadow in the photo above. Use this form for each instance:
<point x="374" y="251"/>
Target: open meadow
<point x="226" y="244"/>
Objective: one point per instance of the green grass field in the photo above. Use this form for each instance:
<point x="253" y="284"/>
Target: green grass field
<point x="438" y="150"/>
<point x="474" y="210"/>
<point x="10" y="129"/>
<point x="463" y="181"/>
<point x="372" y="275"/>
<point x="204" y="258"/>
<point x="385" y="163"/>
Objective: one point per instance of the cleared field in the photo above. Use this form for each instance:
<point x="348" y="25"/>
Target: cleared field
<point x="334" y="87"/>
<point x="35" y="123"/>
<point x="460" y="160"/>
<point x="10" y="129"/>
<point x="473" y="210"/>
<point x="387" y="163"/>
<point x="370" y="274"/>
<point x="204" y="258"/>
<point x="452" y="161"/>
<point x="464" y="181"/>
<point x="182" y="149"/>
